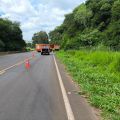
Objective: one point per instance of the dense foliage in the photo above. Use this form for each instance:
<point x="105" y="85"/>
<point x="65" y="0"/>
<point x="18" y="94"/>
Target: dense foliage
<point x="11" y="36"/>
<point x="98" y="74"/>
<point x="90" y="24"/>
<point x="40" y="38"/>
<point x="29" y="44"/>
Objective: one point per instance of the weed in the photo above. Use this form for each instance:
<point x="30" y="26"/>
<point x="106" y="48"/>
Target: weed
<point x="98" y="74"/>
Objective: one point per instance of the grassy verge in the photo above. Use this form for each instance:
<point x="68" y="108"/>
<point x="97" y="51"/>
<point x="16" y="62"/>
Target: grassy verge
<point x="28" y="49"/>
<point x="98" y="74"/>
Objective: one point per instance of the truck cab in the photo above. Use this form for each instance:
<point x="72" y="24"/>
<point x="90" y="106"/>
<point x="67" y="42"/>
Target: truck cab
<point x="43" y="48"/>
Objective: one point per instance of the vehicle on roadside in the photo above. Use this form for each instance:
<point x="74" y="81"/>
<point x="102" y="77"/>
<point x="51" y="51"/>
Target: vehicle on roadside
<point x="42" y="42"/>
<point x="54" y="47"/>
<point x="47" y="48"/>
<point x="51" y="47"/>
<point x="43" y="48"/>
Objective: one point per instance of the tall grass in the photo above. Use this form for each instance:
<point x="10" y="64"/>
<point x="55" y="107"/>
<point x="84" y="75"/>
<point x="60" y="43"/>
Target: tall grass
<point x="98" y="74"/>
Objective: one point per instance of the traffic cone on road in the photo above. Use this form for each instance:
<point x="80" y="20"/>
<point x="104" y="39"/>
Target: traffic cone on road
<point x="27" y="64"/>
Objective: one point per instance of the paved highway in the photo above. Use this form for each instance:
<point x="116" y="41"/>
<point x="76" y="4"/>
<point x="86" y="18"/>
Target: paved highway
<point x="36" y="94"/>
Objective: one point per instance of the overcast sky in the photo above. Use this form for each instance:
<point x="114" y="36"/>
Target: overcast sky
<point x="37" y="15"/>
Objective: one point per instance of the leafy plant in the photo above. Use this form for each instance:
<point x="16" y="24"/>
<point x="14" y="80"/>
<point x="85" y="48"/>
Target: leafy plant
<point x="98" y="74"/>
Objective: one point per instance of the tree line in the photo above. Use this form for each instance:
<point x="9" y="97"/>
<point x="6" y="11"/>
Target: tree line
<point x="40" y="38"/>
<point x="11" y="38"/>
<point x="91" y="24"/>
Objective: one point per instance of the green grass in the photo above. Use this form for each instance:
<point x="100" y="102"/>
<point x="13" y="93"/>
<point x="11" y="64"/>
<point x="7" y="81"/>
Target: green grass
<point x="29" y="49"/>
<point x="98" y="74"/>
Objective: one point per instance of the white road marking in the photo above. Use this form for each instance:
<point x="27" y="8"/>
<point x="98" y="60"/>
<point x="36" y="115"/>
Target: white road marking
<point x="2" y="72"/>
<point x="68" y="108"/>
<point x="17" y="64"/>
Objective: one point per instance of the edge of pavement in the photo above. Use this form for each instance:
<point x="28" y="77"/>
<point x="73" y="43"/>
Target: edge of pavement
<point x="3" y="70"/>
<point x="81" y="108"/>
<point x="12" y="52"/>
<point x="7" y="53"/>
<point x="68" y="108"/>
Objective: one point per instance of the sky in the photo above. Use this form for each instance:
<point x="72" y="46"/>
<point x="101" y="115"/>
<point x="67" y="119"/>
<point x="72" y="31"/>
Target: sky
<point x="37" y="15"/>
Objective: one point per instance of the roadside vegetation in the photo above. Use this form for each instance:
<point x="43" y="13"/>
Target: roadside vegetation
<point x="30" y="46"/>
<point x="91" y="24"/>
<point x="90" y="41"/>
<point x="11" y="38"/>
<point x="98" y="75"/>
<point x="40" y="38"/>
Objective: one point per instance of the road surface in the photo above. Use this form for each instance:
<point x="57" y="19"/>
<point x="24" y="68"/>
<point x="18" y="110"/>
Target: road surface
<point x="35" y="94"/>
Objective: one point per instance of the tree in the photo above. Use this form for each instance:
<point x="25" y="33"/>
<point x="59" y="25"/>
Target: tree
<point x="40" y="38"/>
<point x="70" y="25"/>
<point x="11" y="35"/>
<point x="113" y="36"/>
<point x="90" y="24"/>
<point x="82" y="15"/>
<point x="2" y="45"/>
<point x="56" y="35"/>
<point x="29" y="44"/>
<point x="116" y="10"/>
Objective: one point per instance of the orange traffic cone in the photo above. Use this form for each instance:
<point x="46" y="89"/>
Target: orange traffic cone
<point x="27" y="64"/>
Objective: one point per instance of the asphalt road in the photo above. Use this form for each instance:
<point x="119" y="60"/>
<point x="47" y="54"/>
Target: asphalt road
<point x="35" y="94"/>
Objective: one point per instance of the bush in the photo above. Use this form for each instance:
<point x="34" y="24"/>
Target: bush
<point x="2" y="45"/>
<point x="115" y="65"/>
<point x="98" y="74"/>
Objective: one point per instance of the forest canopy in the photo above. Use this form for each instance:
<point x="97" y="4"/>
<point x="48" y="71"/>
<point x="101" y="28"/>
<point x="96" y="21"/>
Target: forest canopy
<point x="93" y="23"/>
<point x="11" y="38"/>
<point x="40" y="38"/>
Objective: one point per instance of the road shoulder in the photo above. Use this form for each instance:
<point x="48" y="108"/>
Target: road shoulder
<point x="81" y="108"/>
